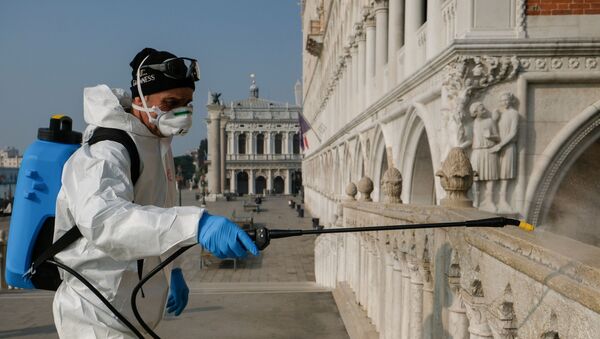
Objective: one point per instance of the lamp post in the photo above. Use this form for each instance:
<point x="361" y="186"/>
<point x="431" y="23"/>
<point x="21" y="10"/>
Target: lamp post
<point x="179" y="178"/>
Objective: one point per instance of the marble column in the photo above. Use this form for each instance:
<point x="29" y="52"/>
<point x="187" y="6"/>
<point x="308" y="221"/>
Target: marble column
<point x="381" y="42"/>
<point x="361" y="78"/>
<point x="251" y="182"/>
<point x="348" y="92"/>
<point x="223" y="144"/>
<point x="250" y="142"/>
<point x="370" y="60"/>
<point x="434" y="28"/>
<point x="395" y="38"/>
<point x="233" y="182"/>
<point x="214" y="148"/>
<point x="355" y="94"/>
<point x="412" y="23"/>
<point x="288" y="182"/>
<point x="269" y="180"/>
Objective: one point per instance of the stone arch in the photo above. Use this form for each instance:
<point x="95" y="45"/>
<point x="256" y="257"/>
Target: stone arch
<point x="571" y="142"/>
<point x="417" y="160"/>
<point x="379" y="163"/>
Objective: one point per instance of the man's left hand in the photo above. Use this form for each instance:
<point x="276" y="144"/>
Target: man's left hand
<point x="178" y="293"/>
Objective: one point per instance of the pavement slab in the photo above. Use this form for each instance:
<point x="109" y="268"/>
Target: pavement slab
<point x="273" y="295"/>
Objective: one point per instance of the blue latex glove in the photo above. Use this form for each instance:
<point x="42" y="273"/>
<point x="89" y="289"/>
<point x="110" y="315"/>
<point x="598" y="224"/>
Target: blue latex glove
<point x="223" y="238"/>
<point x="178" y="293"/>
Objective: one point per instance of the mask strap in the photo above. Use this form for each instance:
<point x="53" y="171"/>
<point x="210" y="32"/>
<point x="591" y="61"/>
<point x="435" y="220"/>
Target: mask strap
<point x="139" y="87"/>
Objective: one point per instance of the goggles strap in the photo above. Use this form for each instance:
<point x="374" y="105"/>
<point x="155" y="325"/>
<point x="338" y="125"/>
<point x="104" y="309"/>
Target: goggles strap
<point x="139" y="87"/>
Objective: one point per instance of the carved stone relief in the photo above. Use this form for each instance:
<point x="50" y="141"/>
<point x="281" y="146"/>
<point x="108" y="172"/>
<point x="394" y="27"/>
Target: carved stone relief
<point x="465" y="79"/>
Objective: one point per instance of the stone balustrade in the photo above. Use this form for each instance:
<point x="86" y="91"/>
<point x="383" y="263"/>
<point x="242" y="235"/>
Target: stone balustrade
<point x="459" y="282"/>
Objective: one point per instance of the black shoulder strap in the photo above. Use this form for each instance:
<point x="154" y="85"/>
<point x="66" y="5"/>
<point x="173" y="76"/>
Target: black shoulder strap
<point x="60" y="244"/>
<point x="100" y="134"/>
<point x="120" y="136"/>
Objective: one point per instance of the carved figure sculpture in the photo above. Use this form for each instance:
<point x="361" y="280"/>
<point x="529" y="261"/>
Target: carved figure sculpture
<point x="215" y="98"/>
<point x="485" y="162"/>
<point x="507" y="119"/>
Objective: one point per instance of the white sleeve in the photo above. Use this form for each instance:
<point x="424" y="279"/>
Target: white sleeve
<point x="100" y="192"/>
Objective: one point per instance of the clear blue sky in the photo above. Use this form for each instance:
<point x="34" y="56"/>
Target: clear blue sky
<point x="51" y="50"/>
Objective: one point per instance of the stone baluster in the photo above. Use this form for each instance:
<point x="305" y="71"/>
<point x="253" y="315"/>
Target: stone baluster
<point x="503" y="323"/>
<point x="458" y="322"/>
<point x="378" y="270"/>
<point x="364" y="278"/>
<point x="397" y="289"/>
<point x="371" y="277"/>
<point x="388" y="295"/>
<point x="406" y="295"/>
<point x="428" y="297"/>
<point x="416" y="291"/>
<point x="476" y="310"/>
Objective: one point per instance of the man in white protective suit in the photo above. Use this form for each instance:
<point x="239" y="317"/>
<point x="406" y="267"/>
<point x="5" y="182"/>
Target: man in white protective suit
<point x="123" y="223"/>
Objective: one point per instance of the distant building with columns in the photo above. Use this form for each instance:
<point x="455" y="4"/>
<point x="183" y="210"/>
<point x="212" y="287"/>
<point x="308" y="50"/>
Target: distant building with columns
<point x="255" y="143"/>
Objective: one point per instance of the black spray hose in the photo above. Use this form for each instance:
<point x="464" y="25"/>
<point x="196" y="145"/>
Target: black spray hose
<point x="137" y="288"/>
<point x="99" y="295"/>
<point x="262" y="236"/>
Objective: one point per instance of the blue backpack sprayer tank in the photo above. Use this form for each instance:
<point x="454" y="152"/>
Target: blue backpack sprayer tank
<point x="38" y="183"/>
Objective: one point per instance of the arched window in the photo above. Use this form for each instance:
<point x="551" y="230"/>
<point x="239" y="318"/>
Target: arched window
<point x="242" y="144"/>
<point x="278" y="143"/>
<point x="296" y="144"/>
<point x="260" y="143"/>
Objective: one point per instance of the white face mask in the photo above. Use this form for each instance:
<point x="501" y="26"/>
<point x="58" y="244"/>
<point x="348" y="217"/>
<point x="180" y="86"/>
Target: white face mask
<point x="177" y="121"/>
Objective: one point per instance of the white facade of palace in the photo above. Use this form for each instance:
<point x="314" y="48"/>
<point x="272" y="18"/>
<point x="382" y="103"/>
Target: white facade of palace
<point x="256" y="143"/>
<point x="447" y="110"/>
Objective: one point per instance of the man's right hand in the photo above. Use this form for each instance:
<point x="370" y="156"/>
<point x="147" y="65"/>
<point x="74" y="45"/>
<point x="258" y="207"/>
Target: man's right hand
<point x="223" y="238"/>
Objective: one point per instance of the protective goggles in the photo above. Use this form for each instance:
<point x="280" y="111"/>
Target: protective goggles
<point x="177" y="68"/>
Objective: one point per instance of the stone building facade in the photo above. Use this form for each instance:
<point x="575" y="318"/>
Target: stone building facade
<point x="255" y="143"/>
<point x="446" y="110"/>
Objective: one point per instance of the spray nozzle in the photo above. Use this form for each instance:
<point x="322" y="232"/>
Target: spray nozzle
<point x="526" y="226"/>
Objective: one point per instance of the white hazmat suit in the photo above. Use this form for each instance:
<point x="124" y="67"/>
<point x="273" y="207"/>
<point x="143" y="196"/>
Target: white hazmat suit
<point x="97" y="195"/>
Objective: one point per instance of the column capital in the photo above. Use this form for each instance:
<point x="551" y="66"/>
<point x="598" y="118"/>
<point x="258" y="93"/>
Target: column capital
<point x="370" y="22"/>
<point x="381" y="5"/>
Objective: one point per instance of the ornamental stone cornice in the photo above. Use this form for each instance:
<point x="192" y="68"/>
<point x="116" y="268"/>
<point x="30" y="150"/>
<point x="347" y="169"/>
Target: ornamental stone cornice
<point x="586" y="49"/>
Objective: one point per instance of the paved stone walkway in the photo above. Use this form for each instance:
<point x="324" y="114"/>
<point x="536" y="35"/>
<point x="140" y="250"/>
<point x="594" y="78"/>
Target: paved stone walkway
<point x="270" y="296"/>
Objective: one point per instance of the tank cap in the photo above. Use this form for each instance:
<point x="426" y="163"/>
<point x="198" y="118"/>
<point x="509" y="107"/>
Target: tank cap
<point x="60" y="130"/>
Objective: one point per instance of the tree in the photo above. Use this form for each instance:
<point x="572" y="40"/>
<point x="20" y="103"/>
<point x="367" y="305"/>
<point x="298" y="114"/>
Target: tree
<point x="186" y="162"/>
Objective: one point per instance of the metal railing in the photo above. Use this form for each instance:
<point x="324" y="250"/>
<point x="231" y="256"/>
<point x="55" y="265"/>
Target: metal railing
<point x="263" y="157"/>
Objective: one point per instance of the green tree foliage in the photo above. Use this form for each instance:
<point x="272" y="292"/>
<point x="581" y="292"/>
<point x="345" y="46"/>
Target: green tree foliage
<point x="186" y="162"/>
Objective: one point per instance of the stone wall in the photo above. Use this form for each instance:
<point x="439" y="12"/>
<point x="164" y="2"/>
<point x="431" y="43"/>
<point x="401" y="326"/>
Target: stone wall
<point x="459" y="282"/>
